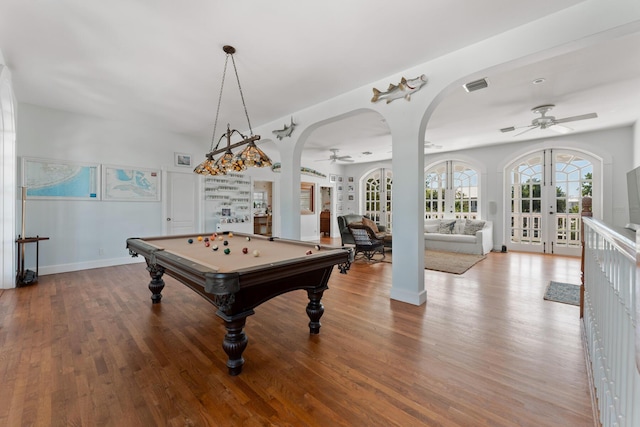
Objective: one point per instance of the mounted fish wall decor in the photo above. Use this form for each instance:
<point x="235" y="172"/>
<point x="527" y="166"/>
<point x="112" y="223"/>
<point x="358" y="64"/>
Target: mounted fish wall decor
<point x="286" y="131"/>
<point x="402" y="90"/>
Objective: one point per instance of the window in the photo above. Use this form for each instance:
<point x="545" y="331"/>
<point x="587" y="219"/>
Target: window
<point x="451" y="187"/>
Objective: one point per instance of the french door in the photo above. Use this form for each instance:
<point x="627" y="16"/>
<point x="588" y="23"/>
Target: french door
<point x="546" y="191"/>
<point x="377" y="196"/>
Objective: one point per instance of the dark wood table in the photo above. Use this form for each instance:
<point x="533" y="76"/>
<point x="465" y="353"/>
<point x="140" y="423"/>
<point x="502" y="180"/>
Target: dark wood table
<point x="27" y="277"/>
<point x="236" y="283"/>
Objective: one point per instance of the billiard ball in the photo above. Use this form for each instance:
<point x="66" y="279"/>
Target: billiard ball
<point x="206" y="239"/>
<point x="206" y="243"/>
<point x="256" y="253"/>
<point x="214" y="247"/>
<point x="248" y="239"/>
<point x="219" y="237"/>
<point x="199" y="238"/>
<point x="317" y="247"/>
<point x="226" y="243"/>
<point x="309" y="252"/>
<point x="230" y="235"/>
<point x="190" y="241"/>
<point x="227" y="251"/>
<point x="245" y="250"/>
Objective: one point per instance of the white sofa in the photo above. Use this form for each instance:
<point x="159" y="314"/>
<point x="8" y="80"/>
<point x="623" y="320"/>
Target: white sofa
<point x="463" y="236"/>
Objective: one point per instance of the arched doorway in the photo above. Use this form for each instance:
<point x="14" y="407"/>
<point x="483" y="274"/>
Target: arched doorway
<point x="545" y="191"/>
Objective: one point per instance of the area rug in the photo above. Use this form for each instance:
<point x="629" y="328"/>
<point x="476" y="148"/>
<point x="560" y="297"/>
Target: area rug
<point x="563" y="292"/>
<point x="448" y="262"/>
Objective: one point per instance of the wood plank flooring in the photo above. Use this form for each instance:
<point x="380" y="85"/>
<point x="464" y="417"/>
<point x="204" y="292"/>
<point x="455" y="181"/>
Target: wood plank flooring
<point x="89" y="349"/>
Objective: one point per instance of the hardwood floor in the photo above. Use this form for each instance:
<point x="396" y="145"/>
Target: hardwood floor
<point x="88" y="349"/>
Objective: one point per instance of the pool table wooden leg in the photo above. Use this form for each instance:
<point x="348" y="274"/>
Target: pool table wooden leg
<point x="156" y="285"/>
<point x="315" y="310"/>
<point x="234" y="343"/>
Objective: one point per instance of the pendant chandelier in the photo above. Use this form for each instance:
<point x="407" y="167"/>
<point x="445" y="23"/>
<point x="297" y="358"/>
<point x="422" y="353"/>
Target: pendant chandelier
<point x="250" y="156"/>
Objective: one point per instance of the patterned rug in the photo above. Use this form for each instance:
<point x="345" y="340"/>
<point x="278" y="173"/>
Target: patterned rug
<point x="563" y="292"/>
<point x="447" y="262"/>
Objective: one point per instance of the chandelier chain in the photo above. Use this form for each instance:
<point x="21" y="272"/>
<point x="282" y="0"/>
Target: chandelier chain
<point x="246" y="113"/>
<point x="215" y="124"/>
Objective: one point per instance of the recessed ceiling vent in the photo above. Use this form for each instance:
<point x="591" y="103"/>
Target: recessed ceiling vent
<point x="476" y="85"/>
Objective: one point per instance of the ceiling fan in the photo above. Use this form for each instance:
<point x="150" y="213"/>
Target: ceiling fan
<point x="334" y="157"/>
<point x="546" y="122"/>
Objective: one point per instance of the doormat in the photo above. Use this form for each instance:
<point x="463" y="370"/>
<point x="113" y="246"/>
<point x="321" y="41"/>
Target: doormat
<point x="566" y="293"/>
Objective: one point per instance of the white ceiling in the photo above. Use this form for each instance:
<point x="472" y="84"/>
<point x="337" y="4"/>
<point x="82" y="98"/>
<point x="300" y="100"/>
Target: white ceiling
<point x="160" y="62"/>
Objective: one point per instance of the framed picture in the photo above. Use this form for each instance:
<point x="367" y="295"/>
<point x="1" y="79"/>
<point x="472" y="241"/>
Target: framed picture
<point x="130" y="184"/>
<point x="340" y="187"/>
<point x="339" y="207"/>
<point x="350" y="197"/>
<point x="340" y="179"/>
<point x="332" y="178"/>
<point x="350" y="179"/>
<point x="350" y="188"/>
<point x="182" y="159"/>
<point x="60" y="179"/>
<point x="226" y="211"/>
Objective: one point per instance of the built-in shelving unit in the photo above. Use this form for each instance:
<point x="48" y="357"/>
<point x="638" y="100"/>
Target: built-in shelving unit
<point x="228" y="203"/>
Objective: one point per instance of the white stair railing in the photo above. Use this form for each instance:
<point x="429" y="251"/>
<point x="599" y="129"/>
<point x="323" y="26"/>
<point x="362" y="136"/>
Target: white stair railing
<point x="610" y="313"/>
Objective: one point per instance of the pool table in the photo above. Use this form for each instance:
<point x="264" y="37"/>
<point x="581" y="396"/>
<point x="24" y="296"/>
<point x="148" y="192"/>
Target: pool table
<point x="256" y="269"/>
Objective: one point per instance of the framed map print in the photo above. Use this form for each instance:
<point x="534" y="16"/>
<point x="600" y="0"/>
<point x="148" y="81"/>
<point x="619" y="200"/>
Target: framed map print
<point x="130" y="184"/>
<point x="60" y="179"/>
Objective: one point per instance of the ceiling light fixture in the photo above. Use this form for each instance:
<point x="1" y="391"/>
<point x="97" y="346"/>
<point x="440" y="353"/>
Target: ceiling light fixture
<point x="251" y="156"/>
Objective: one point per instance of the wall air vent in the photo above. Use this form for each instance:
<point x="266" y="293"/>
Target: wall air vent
<point x="509" y="129"/>
<point x="476" y="85"/>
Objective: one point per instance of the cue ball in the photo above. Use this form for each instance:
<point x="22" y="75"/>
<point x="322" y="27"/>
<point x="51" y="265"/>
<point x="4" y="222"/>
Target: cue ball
<point x="309" y="252"/>
<point x="245" y="250"/>
<point x="227" y="251"/>
<point x="214" y="247"/>
<point x="226" y="243"/>
<point x="256" y="253"/>
<point x="190" y="241"/>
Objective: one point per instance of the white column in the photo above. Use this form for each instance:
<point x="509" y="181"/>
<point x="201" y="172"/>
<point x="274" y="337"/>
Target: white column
<point x="8" y="185"/>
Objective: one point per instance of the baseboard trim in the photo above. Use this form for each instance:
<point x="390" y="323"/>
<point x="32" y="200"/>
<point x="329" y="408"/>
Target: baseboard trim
<point x="65" y="268"/>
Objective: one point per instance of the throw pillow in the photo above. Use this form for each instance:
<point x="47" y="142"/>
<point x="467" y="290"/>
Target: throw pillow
<point x="473" y="226"/>
<point x="458" y="227"/>
<point x="372" y="225"/>
<point x="446" y="227"/>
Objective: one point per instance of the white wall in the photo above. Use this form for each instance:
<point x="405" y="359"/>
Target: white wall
<point x="86" y="234"/>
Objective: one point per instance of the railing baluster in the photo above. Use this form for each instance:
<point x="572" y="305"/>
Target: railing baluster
<point x="609" y="309"/>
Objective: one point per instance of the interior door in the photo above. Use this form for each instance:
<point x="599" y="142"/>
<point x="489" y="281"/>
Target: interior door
<point x="546" y="190"/>
<point x="182" y="205"/>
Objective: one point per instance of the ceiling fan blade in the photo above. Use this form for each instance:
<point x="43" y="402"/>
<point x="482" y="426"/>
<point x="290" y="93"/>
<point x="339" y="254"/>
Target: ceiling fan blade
<point x="525" y="131"/>
<point x="575" y="118"/>
<point x="343" y="157"/>
<point x="346" y="160"/>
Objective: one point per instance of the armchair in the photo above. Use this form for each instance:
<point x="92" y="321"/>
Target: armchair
<point x="366" y="241"/>
<point x="347" y="237"/>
